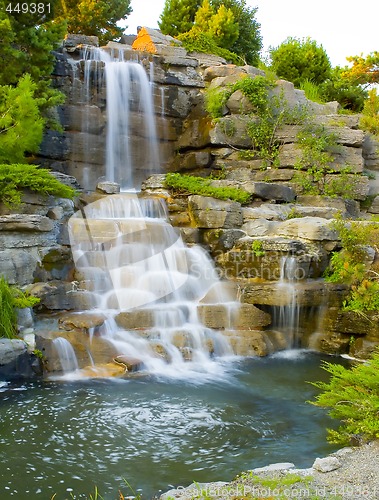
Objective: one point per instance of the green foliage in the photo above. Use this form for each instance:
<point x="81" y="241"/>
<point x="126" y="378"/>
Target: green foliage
<point x="197" y="41"/>
<point x="352" y="395"/>
<point x="349" y="94"/>
<point x="249" y="41"/>
<point x="317" y="146"/>
<point x="241" y="35"/>
<point x="8" y="318"/>
<point x="21" y="125"/>
<point x="298" y="60"/>
<point x="14" y="178"/>
<point x="26" y="45"/>
<point x="351" y="266"/>
<point x="178" y="16"/>
<point x="94" y="17"/>
<point x="370" y="113"/>
<point x="197" y="185"/>
<point x="257" y="248"/>
<point x="219" y="24"/>
<point x="10" y="298"/>
<point x="312" y="91"/>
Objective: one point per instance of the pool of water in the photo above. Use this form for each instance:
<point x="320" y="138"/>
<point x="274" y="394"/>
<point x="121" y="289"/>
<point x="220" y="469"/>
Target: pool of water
<point x="155" y="432"/>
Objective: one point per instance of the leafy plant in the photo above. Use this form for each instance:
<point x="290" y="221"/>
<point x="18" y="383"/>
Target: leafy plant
<point x="198" y="185"/>
<point x="197" y="41"/>
<point x="350" y="265"/>
<point x="14" y="178"/>
<point x="352" y="396"/>
<point x="370" y="113"/>
<point x="257" y="248"/>
<point x="312" y="91"/>
<point x="10" y="299"/>
<point x="317" y="146"/>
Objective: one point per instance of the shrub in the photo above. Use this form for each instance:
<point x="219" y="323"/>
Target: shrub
<point x="196" y="41"/>
<point x="353" y="398"/>
<point x="350" y="265"/>
<point x="370" y="113"/>
<point x="14" y="178"/>
<point x="197" y="185"/>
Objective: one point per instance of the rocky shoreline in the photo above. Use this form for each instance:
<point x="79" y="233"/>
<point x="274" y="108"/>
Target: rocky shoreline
<point x="350" y="473"/>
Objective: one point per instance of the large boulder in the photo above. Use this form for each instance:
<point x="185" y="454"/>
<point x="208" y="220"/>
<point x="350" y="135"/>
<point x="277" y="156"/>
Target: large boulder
<point x="16" y="362"/>
<point x="210" y="213"/>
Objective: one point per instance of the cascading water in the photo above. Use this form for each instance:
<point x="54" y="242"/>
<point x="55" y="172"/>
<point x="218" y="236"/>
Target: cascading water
<point x="132" y="151"/>
<point x="148" y="283"/>
<point x="286" y="317"/>
<point x="137" y="269"/>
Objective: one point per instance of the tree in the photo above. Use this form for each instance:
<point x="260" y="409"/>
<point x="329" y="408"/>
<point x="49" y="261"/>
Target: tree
<point x="178" y="16"/>
<point x="220" y="24"/>
<point x="249" y="41"/>
<point x="352" y="396"/>
<point x="365" y="70"/>
<point x="94" y="17"/>
<point x="337" y="87"/>
<point x="26" y="45"/>
<point x="21" y="125"/>
<point x="299" y="60"/>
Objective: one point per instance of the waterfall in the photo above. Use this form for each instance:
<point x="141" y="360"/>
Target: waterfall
<point x="286" y="317"/>
<point x="66" y="354"/>
<point x="147" y="282"/>
<point x="130" y="113"/>
<point x="132" y="151"/>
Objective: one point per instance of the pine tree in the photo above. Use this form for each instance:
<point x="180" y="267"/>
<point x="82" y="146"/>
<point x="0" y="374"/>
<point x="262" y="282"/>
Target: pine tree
<point x="94" y="17"/>
<point x="21" y="125"/>
<point x="178" y="16"/>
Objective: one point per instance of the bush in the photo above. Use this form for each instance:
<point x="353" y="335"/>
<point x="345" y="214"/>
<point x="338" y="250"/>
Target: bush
<point x="15" y="178"/>
<point x="370" y="113"/>
<point x="350" y="265"/>
<point x="197" y="185"/>
<point x="196" y="41"/>
<point x="353" y="398"/>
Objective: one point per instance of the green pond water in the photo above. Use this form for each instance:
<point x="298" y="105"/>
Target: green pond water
<point x="155" y="432"/>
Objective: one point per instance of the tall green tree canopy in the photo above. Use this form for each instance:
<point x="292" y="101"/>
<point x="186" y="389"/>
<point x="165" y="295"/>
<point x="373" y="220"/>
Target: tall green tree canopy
<point x="94" y="17"/>
<point x="300" y="60"/>
<point x="249" y="41"/>
<point x="179" y="16"/>
<point x="26" y="43"/>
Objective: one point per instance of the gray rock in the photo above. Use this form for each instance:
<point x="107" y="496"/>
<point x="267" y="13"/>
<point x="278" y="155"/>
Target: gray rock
<point x="25" y="222"/>
<point x="308" y="228"/>
<point x="374" y="209"/>
<point x="18" y="265"/>
<point x="108" y="187"/>
<point x="259" y="227"/>
<point x="270" y="191"/>
<point x="326" y="464"/>
<point x="275" y="467"/>
<point x="210" y="213"/>
<point x="15" y="362"/>
<point x="71" y="41"/>
<point x="238" y="103"/>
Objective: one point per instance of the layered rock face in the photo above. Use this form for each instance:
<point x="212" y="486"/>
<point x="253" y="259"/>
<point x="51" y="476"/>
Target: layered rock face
<point x="248" y="243"/>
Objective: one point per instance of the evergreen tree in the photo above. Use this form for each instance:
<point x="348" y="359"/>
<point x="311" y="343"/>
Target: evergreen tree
<point x="249" y="41"/>
<point x="21" y="125"/>
<point x="94" y="17"/>
<point x="26" y="43"/>
<point x="178" y="16"/>
<point x="220" y="24"/>
<point x="300" y="60"/>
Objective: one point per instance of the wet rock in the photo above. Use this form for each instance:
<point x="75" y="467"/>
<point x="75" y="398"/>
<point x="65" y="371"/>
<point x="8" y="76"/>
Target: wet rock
<point x="131" y="320"/>
<point x="248" y="343"/>
<point x="108" y="187"/>
<point x="131" y="364"/>
<point x="15" y="361"/>
<point x="82" y="322"/>
<point x="243" y="317"/>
